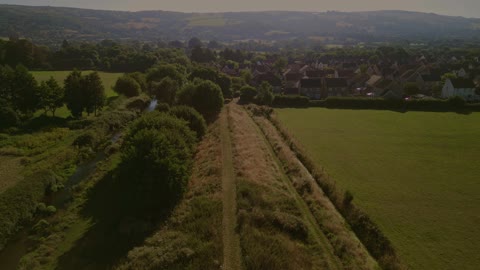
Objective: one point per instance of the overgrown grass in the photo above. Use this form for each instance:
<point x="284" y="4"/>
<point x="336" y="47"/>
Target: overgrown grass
<point x="414" y="174"/>
<point x="272" y="223"/>
<point x="10" y="172"/>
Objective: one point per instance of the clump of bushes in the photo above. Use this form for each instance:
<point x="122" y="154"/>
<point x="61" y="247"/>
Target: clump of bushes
<point x="290" y="101"/>
<point x="157" y="157"/>
<point x="195" y="120"/>
<point x="127" y="86"/>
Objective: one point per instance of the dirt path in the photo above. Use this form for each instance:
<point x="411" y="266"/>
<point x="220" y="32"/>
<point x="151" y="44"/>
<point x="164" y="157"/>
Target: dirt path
<point x="231" y="243"/>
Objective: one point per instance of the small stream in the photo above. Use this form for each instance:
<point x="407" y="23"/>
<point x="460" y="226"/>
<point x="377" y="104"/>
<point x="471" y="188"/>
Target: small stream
<point x="20" y="244"/>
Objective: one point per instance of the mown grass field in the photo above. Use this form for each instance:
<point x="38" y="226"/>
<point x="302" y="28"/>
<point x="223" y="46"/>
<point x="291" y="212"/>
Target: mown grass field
<point x="417" y="175"/>
<point x="108" y="79"/>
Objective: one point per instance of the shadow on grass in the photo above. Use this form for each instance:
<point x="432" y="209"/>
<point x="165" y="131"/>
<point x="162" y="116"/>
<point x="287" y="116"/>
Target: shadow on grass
<point x="120" y="222"/>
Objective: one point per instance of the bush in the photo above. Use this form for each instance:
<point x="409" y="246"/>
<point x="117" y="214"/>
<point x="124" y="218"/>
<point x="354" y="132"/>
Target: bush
<point x="163" y="107"/>
<point x="8" y="117"/>
<point x="205" y="96"/>
<point x="127" y="86"/>
<point x="87" y="139"/>
<point x="456" y="102"/>
<point x="290" y="101"/>
<point x="195" y="120"/>
<point x="157" y="154"/>
<point x="247" y="94"/>
<point x="138" y="104"/>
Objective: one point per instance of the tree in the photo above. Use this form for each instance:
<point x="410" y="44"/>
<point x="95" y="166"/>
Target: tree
<point x="265" y="94"/>
<point x="24" y="91"/>
<point x="127" y="86"/>
<point x="280" y="63"/>
<point x="157" y="154"/>
<point x="247" y="94"/>
<point x="247" y="76"/>
<point x="94" y="92"/>
<point x="166" y="70"/>
<point x="51" y="96"/>
<point x="195" y="120"/>
<point x="225" y="83"/>
<point x="141" y="79"/>
<point x="205" y="96"/>
<point x="411" y="89"/>
<point x="165" y="90"/>
<point x="74" y="97"/>
<point x="201" y="55"/>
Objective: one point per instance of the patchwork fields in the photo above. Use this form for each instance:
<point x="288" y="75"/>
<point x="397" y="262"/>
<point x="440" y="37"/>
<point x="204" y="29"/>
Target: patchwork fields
<point x="416" y="174"/>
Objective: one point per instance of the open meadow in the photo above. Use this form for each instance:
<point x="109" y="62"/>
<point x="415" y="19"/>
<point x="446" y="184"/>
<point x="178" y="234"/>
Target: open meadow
<point x="417" y="174"/>
<point x="108" y="80"/>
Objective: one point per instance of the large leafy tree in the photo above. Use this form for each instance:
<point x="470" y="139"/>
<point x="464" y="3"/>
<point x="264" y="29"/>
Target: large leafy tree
<point x="165" y="90"/>
<point x="94" y="92"/>
<point x="127" y="86"/>
<point x="74" y="97"/>
<point x="51" y="96"/>
<point x="24" y="97"/>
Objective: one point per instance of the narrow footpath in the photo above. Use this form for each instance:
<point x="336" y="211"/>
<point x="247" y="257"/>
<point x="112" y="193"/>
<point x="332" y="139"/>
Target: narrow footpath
<point x="231" y="242"/>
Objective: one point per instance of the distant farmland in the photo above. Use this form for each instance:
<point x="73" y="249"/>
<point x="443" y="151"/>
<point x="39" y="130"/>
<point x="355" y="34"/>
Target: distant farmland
<point x="108" y="80"/>
<point x="417" y="174"/>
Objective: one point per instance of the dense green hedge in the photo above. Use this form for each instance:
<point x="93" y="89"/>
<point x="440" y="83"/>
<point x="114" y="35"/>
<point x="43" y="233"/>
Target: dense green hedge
<point x="290" y="101"/>
<point x="453" y="104"/>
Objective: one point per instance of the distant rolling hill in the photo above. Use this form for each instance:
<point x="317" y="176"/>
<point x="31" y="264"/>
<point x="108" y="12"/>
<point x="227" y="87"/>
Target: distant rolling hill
<point x="47" y="24"/>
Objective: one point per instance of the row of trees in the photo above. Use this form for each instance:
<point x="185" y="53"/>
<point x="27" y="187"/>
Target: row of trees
<point x="21" y="95"/>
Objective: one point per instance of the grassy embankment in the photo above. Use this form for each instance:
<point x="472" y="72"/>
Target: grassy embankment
<point x="415" y="174"/>
<point x="276" y="228"/>
<point x="108" y="80"/>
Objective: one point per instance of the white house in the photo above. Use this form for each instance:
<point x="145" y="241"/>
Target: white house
<point x="464" y="88"/>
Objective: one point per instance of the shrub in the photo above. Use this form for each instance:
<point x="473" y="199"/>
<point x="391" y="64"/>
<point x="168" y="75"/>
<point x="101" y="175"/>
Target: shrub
<point x="247" y="94"/>
<point x="290" y="101"/>
<point x="138" y="103"/>
<point x="87" y="139"/>
<point x="195" y="120"/>
<point x="163" y="107"/>
<point x="456" y="102"/>
<point x="8" y="117"/>
<point x="127" y="86"/>
<point x="205" y="96"/>
<point x="157" y="154"/>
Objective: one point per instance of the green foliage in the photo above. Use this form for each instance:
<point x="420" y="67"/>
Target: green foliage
<point x="411" y="89"/>
<point x="195" y="120"/>
<point x="265" y="94"/>
<point x="205" y="96"/>
<point x="165" y="91"/>
<point x="24" y="96"/>
<point x="94" y="92"/>
<point x="160" y="72"/>
<point x="141" y="79"/>
<point x="51" y="95"/>
<point x="248" y="94"/>
<point x="127" y="86"/>
<point x="223" y="80"/>
<point x="157" y="154"/>
<point x="8" y="117"/>
<point x="74" y="97"/>
<point x="84" y="93"/>
<point x="163" y="107"/>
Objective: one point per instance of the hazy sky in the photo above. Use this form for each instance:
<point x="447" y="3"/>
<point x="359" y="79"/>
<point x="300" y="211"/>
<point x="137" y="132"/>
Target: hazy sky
<point x="467" y="8"/>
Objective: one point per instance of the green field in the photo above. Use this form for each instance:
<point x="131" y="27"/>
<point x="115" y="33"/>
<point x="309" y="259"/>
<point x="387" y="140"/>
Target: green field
<point x="108" y="79"/>
<point x="417" y="175"/>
